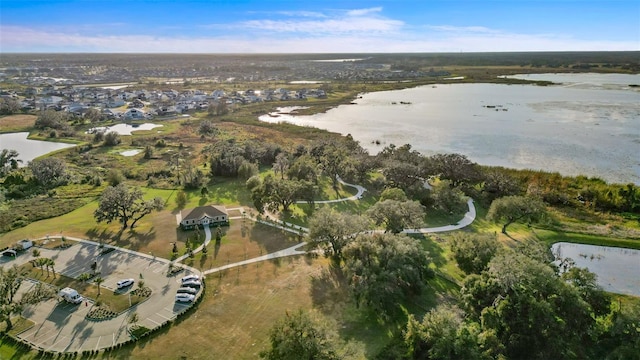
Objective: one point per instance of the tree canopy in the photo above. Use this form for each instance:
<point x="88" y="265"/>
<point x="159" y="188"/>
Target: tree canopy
<point x="396" y="215"/>
<point x="516" y="208"/>
<point x="473" y="252"/>
<point x="49" y="172"/>
<point x="10" y="282"/>
<point x="297" y="336"/>
<point x="384" y="269"/>
<point x="332" y="230"/>
<point x="124" y="204"/>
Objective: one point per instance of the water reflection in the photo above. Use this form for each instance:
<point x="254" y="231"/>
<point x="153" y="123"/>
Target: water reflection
<point x="618" y="269"/>
<point x="29" y="149"/>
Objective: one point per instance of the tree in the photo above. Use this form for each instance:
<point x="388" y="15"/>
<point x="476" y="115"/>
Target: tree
<point x="402" y="175"/>
<point x="148" y="152"/>
<point x="448" y="198"/>
<point x="218" y="234"/>
<point x="9" y="106"/>
<point x="497" y="184"/>
<point x="473" y="252"/>
<point x="455" y="167"/>
<point x="305" y="168"/>
<point x="297" y="336"/>
<point x="124" y="204"/>
<point x="272" y="193"/>
<point x="134" y="318"/>
<point x="384" y="269"/>
<point x="397" y="215"/>
<point x="393" y="193"/>
<point x="247" y="169"/>
<point x="112" y="138"/>
<point x="181" y="199"/>
<point x="281" y="165"/>
<point x="516" y="208"/>
<point x="50" y="264"/>
<point x="8" y="161"/>
<point x="94" y="115"/>
<point x="52" y="119"/>
<point x="10" y="281"/>
<point x="49" y="172"/>
<point x="443" y="334"/>
<point x="207" y="128"/>
<point x="35" y="253"/>
<point x="534" y="313"/>
<point x="99" y="280"/>
<point x="332" y="230"/>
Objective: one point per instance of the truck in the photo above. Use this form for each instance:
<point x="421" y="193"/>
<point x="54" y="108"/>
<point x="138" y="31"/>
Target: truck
<point x="24" y="244"/>
<point x="70" y="295"/>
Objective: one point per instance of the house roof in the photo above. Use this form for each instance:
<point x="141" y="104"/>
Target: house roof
<point x="201" y="211"/>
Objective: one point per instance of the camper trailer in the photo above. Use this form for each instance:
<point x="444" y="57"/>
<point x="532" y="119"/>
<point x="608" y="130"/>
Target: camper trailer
<point x="70" y="295"/>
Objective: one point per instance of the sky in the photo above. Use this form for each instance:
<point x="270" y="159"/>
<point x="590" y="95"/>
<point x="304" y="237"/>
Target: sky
<point x="320" y="26"/>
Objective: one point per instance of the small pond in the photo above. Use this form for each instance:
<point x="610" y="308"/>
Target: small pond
<point x="132" y="152"/>
<point x="124" y="129"/>
<point x="618" y="269"/>
<point x="29" y="149"/>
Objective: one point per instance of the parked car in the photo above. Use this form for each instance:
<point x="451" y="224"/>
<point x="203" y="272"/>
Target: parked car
<point x="184" y="297"/>
<point x="10" y="253"/>
<point x="187" y="290"/>
<point x="190" y="277"/>
<point x="192" y="283"/>
<point x="124" y="283"/>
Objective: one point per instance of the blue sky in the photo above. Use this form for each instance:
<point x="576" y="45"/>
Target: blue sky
<point x="321" y="26"/>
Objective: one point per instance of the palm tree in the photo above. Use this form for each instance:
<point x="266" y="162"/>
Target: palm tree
<point x="51" y="263"/>
<point x="35" y="253"/>
<point x="99" y="280"/>
<point x="134" y="318"/>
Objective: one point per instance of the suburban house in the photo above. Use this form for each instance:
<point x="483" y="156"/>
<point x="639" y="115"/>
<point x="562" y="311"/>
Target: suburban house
<point x="210" y="215"/>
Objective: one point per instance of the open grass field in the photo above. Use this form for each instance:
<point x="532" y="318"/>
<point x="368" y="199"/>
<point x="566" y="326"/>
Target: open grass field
<point x="17" y="123"/>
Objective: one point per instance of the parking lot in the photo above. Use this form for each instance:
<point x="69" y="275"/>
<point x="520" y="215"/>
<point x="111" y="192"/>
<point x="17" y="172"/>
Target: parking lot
<point x="61" y="326"/>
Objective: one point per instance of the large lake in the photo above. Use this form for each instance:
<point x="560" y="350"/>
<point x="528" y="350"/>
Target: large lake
<point x="29" y="149"/>
<point x="618" y="269"/>
<point x="592" y="130"/>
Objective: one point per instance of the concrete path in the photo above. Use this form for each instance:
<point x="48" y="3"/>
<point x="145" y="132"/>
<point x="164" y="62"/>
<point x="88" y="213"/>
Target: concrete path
<point x="357" y="196"/>
<point x="274" y="255"/>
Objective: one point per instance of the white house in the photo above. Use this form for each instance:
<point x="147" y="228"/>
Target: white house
<point x="209" y="215"/>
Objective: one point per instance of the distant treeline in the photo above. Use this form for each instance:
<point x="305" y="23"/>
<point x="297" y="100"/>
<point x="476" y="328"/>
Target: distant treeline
<point x="628" y="60"/>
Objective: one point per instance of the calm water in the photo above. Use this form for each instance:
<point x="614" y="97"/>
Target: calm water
<point x="618" y="269"/>
<point x="125" y="129"/>
<point x="571" y="130"/>
<point x="29" y="149"/>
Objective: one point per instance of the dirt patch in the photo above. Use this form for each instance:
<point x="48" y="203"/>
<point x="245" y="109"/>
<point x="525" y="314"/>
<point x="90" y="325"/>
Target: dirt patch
<point x="17" y="121"/>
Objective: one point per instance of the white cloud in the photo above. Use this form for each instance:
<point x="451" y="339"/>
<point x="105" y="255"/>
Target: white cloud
<point x="309" y="14"/>
<point x="342" y="21"/>
<point x="361" y="12"/>
<point x="360" y="24"/>
<point x="346" y="38"/>
<point x="462" y="29"/>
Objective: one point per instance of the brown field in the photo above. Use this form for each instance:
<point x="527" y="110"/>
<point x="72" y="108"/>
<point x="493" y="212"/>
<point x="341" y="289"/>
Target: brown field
<point x="234" y="319"/>
<point x="13" y="123"/>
